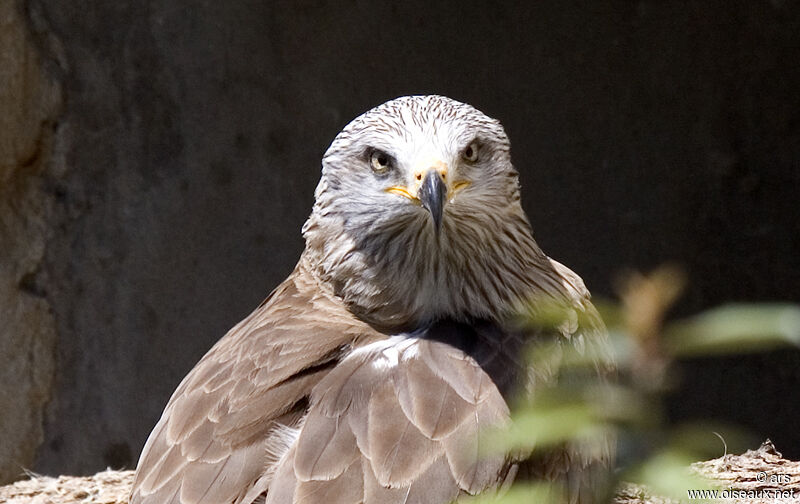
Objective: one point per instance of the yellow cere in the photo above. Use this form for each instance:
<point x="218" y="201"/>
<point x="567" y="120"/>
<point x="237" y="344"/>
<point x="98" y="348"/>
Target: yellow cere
<point x="461" y="184"/>
<point x="402" y="191"/>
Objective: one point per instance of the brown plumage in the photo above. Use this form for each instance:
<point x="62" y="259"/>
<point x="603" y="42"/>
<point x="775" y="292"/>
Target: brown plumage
<point x="371" y="373"/>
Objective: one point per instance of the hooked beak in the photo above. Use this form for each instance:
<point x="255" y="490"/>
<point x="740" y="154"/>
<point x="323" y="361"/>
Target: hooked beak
<point x="432" y="194"/>
<point x="430" y="190"/>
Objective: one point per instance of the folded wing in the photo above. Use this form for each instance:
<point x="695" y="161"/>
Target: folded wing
<point x="397" y="421"/>
<point x="230" y="419"/>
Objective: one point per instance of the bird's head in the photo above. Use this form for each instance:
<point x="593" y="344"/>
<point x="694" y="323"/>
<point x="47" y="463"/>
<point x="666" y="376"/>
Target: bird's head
<point x="418" y="213"/>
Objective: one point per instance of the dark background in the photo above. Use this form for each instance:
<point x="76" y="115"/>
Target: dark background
<point x="190" y="141"/>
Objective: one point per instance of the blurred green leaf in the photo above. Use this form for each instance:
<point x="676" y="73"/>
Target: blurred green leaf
<point x="735" y="328"/>
<point x="552" y="425"/>
<point x="706" y="440"/>
<point x="521" y="493"/>
<point x="591" y="412"/>
<point x="570" y="400"/>
<point x="667" y="473"/>
<point x="610" y="311"/>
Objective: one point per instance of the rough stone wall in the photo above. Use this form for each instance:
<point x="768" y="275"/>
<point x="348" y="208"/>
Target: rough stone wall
<point x="29" y="104"/>
<point x="169" y="197"/>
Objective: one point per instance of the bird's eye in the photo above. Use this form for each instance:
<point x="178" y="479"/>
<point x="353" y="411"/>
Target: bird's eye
<point x="380" y="161"/>
<point x="470" y="154"/>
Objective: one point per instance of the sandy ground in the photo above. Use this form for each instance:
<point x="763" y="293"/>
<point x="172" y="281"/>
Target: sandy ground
<point x="761" y="472"/>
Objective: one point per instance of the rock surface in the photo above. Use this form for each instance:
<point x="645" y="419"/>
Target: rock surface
<point x="29" y="104"/>
<point x="107" y="487"/>
<point x="759" y="476"/>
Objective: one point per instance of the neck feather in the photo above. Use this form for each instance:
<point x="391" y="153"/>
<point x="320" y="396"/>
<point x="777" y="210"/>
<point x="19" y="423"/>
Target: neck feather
<point x="403" y="275"/>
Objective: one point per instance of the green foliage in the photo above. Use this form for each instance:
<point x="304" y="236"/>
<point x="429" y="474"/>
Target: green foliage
<point x="666" y="473"/>
<point x="583" y="405"/>
<point x="735" y="328"/>
<point x="520" y="493"/>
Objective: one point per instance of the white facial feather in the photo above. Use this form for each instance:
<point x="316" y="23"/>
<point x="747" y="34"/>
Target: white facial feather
<point x="380" y="252"/>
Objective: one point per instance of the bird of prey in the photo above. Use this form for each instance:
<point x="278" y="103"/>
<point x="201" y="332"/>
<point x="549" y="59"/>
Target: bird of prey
<point x="372" y="372"/>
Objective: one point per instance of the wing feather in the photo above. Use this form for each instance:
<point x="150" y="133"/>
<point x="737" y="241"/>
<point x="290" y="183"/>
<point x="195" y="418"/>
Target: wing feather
<point x="399" y="451"/>
<point x="387" y="444"/>
<point x="435" y="408"/>
<point x="216" y="482"/>
<point x="305" y="404"/>
<point x="217" y="437"/>
<point x="283" y="485"/>
<point x="347" y="488"/>
<point x="375" y="492"/>
<point x="325" y="450"/>
<point x="163" y="470"/>
<point x="472" y="471"/>
<point x="448" y="363"/>
<point x="199" y="443"/>
<point x="435" y="485"/>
